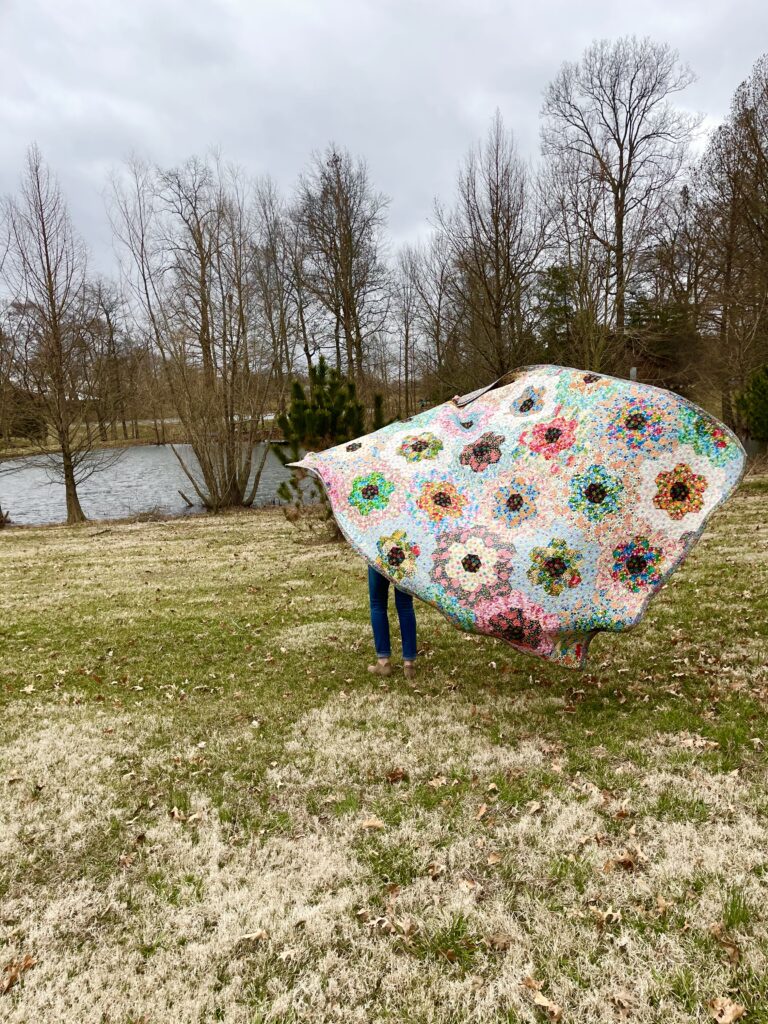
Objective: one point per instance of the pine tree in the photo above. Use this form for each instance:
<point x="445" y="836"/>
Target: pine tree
<point x="753" y="404"/>
<point x="326" y="414"/>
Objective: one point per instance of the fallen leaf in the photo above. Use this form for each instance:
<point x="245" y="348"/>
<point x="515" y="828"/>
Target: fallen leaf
<point x="627" y="860"/>
<point x="663" y="905"/>
<point x="725" y="1010"/>
<point x="397" y="775"/>
<point x="13" y="971"/>
<point x="500" y="941"/>
<point x="605" y="918"/>
<point x="531" y="983"/>
<point x="373" y="823"/>
<point x="692" y="741"/>
<point x="623" y="1003"/>
<point x="493" y="858"/>
<point x="553" y="1011"/>
<point x="730" y="946"/>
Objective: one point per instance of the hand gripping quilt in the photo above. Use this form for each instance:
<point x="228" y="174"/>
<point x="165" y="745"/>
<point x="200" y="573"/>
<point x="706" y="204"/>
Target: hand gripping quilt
<point x="541" y="510"/>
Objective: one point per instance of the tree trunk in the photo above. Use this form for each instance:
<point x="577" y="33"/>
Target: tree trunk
<point x="75" y="513"/>
<point x="620" y="270"/>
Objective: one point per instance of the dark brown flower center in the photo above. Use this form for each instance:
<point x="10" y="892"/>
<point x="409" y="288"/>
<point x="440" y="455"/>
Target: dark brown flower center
<point x="471" y="563"/>
<point x="555" y="566"/>
<point x="515" y="628"/>
<point x="467" y="424"/>
<point x="635" y="422"/>
<point x="590" y="378"/>
<point x="442" y="499"/>
<point x="526" y="405"/>
<point x="515" y="502"/>
<point x="370" y="491"/>
<point x="552" y="434"/>
<point x="419" y="446"/>
<point x="354" y="446"/>
<point x="636" y="564"/>
<point x="679" y="491"/>
<point x="482" y="450"/>
<point x="596" y="493"/>
<point x="396" y="556"/>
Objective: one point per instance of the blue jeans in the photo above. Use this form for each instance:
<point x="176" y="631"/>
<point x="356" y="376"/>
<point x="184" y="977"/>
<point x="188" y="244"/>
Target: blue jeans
<point x="378" y="592"/>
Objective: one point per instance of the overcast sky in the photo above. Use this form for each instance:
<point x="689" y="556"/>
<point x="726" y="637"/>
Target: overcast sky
<point x="408" y="84"/>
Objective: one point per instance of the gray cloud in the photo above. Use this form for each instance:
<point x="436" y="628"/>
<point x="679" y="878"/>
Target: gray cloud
<point x="408" y="84"/>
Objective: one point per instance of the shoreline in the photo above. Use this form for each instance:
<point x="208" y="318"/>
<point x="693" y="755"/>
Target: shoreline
<point x="8" y="455"/>
<point x="145" y="517"/>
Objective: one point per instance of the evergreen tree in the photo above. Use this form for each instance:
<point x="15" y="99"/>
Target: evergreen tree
<point x="325" y="414"/>
<point x="753" y="404"/>
<point x="378" y="412"/>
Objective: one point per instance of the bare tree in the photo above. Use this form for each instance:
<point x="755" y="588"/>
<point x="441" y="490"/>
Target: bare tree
<point x="405" y="311"/>
<point x="733" y="184"/>
<point x="117" y="355"/>
<point x="190" y="236"/>
<point x="575" y="284"/>
<point x="494" y="236"/>
<point x="436" y="317"/>
<point x="45" y="276"/>
<point x="609" y="116"/>
<point x="340" y="220"/>
<point x="7" y="390"/>
<point x="274" y="268"/>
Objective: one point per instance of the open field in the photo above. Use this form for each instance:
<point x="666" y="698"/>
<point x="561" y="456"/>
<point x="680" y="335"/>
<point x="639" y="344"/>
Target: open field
<point x="211" y="812"/>
<point x="147" y="434"/>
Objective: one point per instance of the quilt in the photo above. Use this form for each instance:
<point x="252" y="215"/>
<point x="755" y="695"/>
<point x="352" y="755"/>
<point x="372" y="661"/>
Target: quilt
<point x="541" y="510"/>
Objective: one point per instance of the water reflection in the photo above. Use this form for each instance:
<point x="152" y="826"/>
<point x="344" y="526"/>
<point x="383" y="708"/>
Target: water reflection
<point x="142" y="479"/>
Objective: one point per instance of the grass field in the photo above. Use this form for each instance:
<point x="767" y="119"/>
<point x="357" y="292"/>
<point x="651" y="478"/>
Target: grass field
<point x="18" y="447"/>
<point x="211" y="812"/>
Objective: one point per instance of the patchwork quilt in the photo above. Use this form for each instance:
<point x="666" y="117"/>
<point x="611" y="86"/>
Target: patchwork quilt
<point x="545" y="508"/>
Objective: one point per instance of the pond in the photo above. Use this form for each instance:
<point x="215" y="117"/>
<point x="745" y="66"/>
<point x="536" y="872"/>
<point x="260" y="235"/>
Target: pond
<point x="146" y="478"/>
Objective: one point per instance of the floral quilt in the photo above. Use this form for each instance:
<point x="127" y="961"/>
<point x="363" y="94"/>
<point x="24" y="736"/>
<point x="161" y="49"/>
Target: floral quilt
<point x="541" y="510"/>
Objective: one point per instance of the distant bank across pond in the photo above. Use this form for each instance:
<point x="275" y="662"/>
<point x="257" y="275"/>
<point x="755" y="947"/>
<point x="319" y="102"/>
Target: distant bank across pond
<point x="144" y="478"/>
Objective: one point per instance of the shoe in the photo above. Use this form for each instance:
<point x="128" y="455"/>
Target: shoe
<point x="409" y="667"/>
<point x="380" y="670"/>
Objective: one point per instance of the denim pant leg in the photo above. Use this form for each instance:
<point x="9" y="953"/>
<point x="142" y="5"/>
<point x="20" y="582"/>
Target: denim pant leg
<point x="407" y="618"/>
<point x="378" y="593"/>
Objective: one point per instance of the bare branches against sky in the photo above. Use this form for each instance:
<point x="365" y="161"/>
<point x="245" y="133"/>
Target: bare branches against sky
<point x="407" y="84"/>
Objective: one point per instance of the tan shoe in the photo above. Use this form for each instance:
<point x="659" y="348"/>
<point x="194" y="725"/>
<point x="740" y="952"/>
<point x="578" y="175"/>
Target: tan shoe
<point x="409" y="667"/>
<point x="381" y="668"/>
